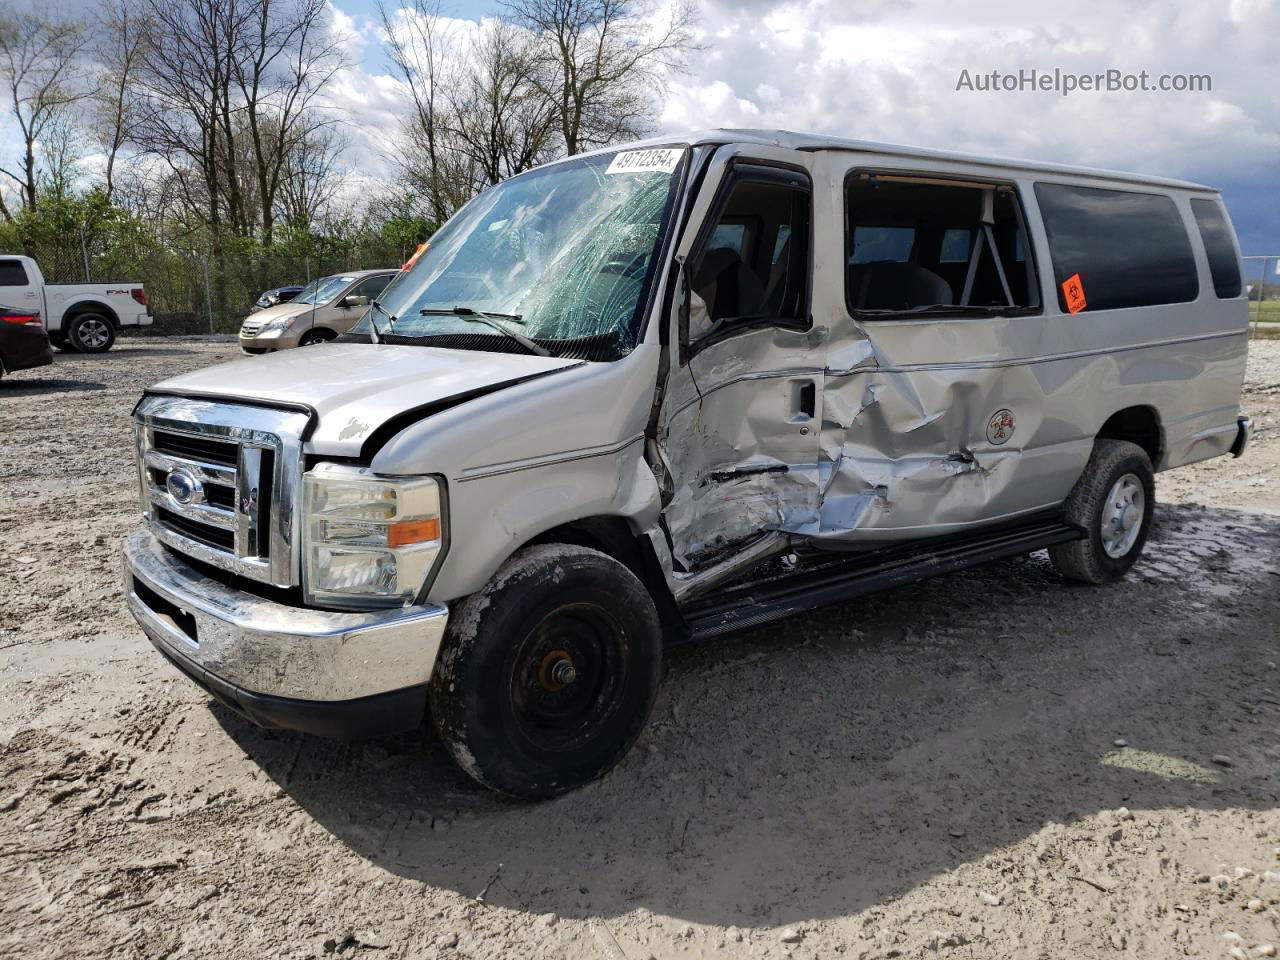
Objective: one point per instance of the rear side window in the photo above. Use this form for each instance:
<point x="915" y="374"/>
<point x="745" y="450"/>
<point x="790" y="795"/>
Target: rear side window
<point x="948" y="247"/>
<point x="1224" y="266"/>
<point x="373" y="286"/>
<point x="1127" y="249"/>
<point x="12" y="274"/>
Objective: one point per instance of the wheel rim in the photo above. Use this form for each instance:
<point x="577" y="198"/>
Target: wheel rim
<point x="567" y="676"/>
<point x="93" y="333"/>
<point x="1122" y="515"/>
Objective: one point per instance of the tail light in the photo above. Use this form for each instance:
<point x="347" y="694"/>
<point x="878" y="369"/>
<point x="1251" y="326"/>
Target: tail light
<point x="139" y="294"/>
<point x="16" y="319"/>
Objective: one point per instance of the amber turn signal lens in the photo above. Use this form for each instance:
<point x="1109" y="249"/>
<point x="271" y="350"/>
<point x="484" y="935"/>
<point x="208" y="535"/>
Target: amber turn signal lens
<point x="413" y="531"/>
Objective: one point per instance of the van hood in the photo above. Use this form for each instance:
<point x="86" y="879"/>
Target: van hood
<point x="354" y="388"/>
<point x="288" y="310"/>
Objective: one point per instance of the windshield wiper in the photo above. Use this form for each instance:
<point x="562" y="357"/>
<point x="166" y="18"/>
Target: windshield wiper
<point x="473" y="315"/>
<point x="373" y="324"/>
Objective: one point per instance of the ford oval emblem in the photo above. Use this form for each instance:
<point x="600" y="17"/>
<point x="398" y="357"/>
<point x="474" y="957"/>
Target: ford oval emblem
<point x="183" y="487"/>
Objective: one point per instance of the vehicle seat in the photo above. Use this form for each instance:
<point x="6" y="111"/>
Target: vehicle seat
<point x="889" y="285"/>
<point x="729" y="287"/>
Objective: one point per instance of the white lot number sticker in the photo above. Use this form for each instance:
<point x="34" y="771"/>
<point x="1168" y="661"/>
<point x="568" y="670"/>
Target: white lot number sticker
<point x="644" y="161"/>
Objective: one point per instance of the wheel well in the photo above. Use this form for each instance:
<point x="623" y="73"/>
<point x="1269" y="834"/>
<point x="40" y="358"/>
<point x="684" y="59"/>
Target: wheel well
<point x="319" y="329"/>
<point x="89" y="306"/>
<point x="613" y="536"/>
<point x="1140" y="425"/>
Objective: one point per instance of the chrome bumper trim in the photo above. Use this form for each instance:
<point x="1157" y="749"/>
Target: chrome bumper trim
<point x="1244" y="433"/>
<point x="270" y="648"/>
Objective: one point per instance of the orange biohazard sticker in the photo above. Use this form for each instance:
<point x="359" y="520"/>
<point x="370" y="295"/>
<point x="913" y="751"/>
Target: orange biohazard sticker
<point x="1073" y="293"/>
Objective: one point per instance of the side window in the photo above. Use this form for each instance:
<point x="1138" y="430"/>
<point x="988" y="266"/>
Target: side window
<point x="755" y="263"/>
<point x="1215" y="231"/>
<point x="13" y="274"/>
<point x="372" y="287"/>
<point x="1128" y="249"/>
<point x="892" y="244"/>
<point x="919" y="243"/>
<point x="730" y="236"/>
<point x="955" y="246"/>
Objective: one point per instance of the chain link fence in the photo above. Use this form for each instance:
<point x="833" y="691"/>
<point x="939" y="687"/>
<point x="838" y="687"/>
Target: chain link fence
<point x="1262" y="274"/>
<point x="197" y="292"/>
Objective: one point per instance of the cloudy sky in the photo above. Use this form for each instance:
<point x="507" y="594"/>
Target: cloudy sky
<point x="888" y="70"/>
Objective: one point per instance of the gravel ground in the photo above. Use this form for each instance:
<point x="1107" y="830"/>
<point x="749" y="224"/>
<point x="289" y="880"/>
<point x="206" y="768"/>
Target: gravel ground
<point x="995" y="764"/>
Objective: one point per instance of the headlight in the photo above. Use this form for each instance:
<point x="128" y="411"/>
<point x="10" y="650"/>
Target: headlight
<point x="279" y="323"/>
<point x="368" y="541"/>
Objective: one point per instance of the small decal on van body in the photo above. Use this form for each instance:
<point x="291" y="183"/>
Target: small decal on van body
<point x="1001" y="426"/>
<point x="1073" y="293"/>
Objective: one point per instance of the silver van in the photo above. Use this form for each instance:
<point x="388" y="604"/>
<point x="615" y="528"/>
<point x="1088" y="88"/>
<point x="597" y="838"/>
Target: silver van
<point x="681" y="388"/>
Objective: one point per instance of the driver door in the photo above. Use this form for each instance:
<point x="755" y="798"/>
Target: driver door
<point x="740" y="409"/>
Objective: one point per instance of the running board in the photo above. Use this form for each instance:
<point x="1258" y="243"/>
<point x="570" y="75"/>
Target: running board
<point x="751" y="605"/>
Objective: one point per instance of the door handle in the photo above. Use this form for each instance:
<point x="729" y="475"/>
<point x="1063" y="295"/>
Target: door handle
<point x="809" y="399"/>
<point x="804" y="399"/>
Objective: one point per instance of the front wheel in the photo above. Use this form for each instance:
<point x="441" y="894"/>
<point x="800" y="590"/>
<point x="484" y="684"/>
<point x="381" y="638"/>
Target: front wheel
<point x="313" y="337"/>
<point x="1112" y="502"/>
<point x="91" y="333"/>
<point x="548" y="674"/>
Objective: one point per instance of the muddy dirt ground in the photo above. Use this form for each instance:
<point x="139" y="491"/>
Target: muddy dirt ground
<point x="996" y="764"/>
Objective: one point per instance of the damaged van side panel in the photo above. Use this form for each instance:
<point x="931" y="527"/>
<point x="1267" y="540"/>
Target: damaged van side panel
<point x="929" y="426"/>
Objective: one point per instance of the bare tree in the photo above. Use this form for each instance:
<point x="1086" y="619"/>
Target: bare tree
<point x="310" y="178"/>
<point x="285" y="58"/>
<point x="37" y="61"/>
<point x="603" y="61"/>
<point x="226" y="93"/>
<point x="418" y="49"/>
<point x="498" y="116"/>
<point x="121" y="31"/>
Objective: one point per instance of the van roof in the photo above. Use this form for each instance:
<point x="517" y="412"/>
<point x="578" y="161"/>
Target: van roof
<point x="808" y="141"/>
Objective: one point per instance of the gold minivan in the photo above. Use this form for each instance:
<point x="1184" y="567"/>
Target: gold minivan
<point x="326" y="308"/>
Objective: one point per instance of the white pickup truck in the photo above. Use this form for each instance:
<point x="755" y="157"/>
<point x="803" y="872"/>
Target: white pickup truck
<point x="78" y="316"/>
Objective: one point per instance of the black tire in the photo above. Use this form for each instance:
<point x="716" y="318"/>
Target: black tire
<point x="91" y="333"/>
<point x="59" y="340"/>
<point x="312" y="337"/>
<point x="1098" y="559"/>
<point x="513" y="717"/>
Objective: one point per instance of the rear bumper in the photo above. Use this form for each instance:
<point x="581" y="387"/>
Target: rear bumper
<point x="1244" y="432"/>
<point x="22" y="348"/>
<point x="317" y="671"/>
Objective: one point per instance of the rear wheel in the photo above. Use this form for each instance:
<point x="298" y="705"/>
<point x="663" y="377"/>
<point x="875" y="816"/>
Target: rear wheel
<point x="548" y="674"/>
<point x="91" y="333"/>
<point x="1112" y="501"/>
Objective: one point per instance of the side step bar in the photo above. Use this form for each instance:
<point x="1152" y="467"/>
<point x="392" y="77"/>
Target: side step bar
<point x="751" y="605"/>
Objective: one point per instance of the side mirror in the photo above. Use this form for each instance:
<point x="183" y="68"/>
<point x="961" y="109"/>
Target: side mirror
<point x="353" y="301"/>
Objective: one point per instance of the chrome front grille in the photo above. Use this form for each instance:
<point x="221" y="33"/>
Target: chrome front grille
<point x="220" y="482"/>
<point x="251" y="328"/>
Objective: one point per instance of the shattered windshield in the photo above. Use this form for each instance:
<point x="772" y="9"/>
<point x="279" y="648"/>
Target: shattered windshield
<point x="562" y="256"/>
<point x="323" y="290"/>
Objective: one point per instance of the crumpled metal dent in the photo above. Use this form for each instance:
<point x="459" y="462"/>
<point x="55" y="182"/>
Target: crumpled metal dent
<point x="893" y="452"/>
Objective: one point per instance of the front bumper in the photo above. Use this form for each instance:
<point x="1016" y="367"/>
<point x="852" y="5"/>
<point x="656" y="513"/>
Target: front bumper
<point x="318" y="671"/>
<point x="1244" y="433"/>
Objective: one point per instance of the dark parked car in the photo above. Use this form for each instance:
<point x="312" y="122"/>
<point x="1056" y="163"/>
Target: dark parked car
<point x="277" y="295"/>
<point x="23" y="340"/>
